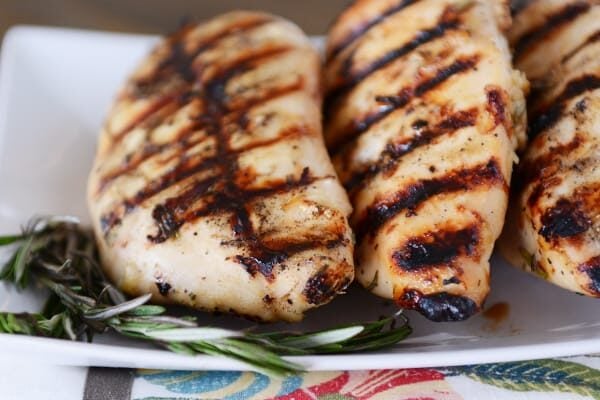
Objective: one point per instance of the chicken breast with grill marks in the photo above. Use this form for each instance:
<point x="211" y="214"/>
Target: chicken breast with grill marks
<point x="423" y="114"/>
<point x="212" y="187"/>
<point x="554" y="222"/>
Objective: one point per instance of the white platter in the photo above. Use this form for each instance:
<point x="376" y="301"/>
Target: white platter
<point x="55" y="88"/>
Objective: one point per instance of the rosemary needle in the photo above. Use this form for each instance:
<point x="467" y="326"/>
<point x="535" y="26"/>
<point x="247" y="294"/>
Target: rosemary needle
<point x="61" y="255"/>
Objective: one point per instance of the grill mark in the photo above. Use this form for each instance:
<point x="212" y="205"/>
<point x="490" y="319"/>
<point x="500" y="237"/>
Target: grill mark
<point x="359" y="31"/>
<point x="439" y="307"/>
<point x="271" y="94"/>
<point x="404" y="97"/>
<point x="552" y="24"/>
<point x="393" y="152"/>
<point x="437" y="248"/>
<point x="592" y="268"/>
<point x="180" y="203"/>
<point x="252" y="58"/>
<point x="496" y="105"/>
<point x="168" y="215"/>
<point x="163" y="288"/>
<point x="227" y="202"/>
<point x="516" y="6"/>
<point x="180" y="63"/>
<point x="551" y="114"/>
<point x="565" y="220"/>
<point x="593" y="38"/>
<point x="267" y="258"/>
<point x="134" y="160"/>
<point x="543" y="167"/>
<point x="108" y="221"/>
<point x="143" y="116"/>
<point x="323" y="286"/>
<point x="589" y="195"/>
<point x="549" y="181"/>
<point x="289" y="133"/>
<point x="182" y="171"/>
<point x="415" y="194"/>
<point x="451" y="281"/>
<point x="352" y="79"/>
<point x="458" y="66"/>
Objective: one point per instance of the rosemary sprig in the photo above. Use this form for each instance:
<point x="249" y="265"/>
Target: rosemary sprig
<point x="60" y="255"/>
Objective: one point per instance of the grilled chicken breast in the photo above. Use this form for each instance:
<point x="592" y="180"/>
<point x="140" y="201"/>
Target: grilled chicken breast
<point x="212" y="187"/>
<point x="423" y="114"/>
<point x="554" y="228"/>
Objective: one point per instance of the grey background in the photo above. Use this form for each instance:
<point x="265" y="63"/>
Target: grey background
<point x="157" y="16"/>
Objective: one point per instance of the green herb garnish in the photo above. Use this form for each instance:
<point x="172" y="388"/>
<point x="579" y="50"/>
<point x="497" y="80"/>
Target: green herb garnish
<point x="60" y="255"/>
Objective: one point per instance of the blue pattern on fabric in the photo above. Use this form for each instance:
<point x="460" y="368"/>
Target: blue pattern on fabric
<point x="163" y="378"/>
<point x="259" y="383"/>
<point x="536" y="375"/>
<point x="515" y="371"/>
<point x="290" y="384"/>
<point x="193" y="382"/>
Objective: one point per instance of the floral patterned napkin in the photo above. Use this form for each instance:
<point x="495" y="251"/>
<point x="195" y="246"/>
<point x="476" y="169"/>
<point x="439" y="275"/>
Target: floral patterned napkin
<point x="570" y="378"/>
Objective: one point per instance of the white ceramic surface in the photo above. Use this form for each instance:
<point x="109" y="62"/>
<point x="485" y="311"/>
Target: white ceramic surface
<point x="55" y="88"/>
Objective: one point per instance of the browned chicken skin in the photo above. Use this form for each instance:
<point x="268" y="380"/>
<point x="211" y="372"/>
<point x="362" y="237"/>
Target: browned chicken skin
<point x="423" y="113"/>
<point x="212" y="187"/>
<point x="554" y="221"/>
